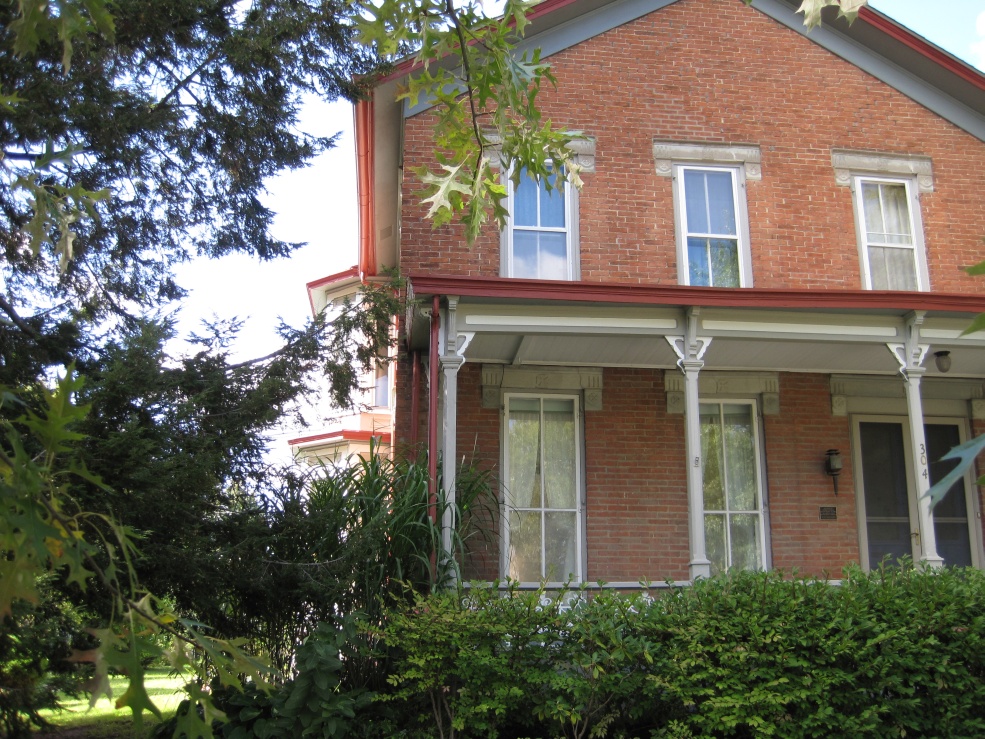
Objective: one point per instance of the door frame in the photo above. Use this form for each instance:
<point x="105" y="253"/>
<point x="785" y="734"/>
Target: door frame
<point x="972" y="502"/>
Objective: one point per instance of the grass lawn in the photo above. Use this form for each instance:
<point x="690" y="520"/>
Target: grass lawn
<point x="104" y="721"/>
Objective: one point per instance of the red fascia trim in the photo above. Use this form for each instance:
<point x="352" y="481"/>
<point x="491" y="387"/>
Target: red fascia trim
<point x="365" y="138"/>
<point x="927" y="49"/>
<point x="343" y="436"/>
<point x="682" y="295"/>
<point x="337" y="277"/>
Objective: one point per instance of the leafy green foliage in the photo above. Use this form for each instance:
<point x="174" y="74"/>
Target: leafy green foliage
<point x="468" y="65"/>
<point x="34" y="644"/>
<point x="43" y="530"/>
<point x="893" y="653"/>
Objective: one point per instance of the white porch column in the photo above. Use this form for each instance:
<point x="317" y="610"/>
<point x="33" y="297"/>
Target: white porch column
<point x="910" y="357"/>
<point x="690" y="349"/>
<point x="452" y="359"/>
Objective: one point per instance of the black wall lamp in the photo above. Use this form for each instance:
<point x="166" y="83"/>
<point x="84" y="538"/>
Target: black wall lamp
<point x="832" y="466"/>
<point x="942" y="360"/>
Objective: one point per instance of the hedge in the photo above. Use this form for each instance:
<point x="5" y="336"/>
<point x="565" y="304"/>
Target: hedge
<point x="895" y="653"/>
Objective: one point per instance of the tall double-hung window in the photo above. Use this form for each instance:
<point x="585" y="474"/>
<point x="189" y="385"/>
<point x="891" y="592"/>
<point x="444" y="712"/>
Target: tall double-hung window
<point x="540" y="239"/>
<point x="733" y="497"/>
<point x="712" y="232"/>
<point x="886" y="191"/>
<point x="543" y="527"/>
<point x="891" y="253"/>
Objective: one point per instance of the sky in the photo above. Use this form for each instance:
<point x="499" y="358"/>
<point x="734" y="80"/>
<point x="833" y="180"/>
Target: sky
<point x="317" y="205"/>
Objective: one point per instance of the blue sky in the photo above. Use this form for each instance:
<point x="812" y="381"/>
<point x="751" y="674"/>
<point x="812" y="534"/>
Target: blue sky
<point x="958" y="26"/>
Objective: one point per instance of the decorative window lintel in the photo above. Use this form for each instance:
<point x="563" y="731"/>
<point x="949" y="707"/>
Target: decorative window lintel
<point x="847" y="162"/>
<point x="497" y="378"/>
<point x="582" y="151"/>
<point x="666" y="153"/>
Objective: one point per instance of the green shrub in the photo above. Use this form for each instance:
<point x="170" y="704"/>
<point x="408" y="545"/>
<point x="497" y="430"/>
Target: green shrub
<point x="895" y="653"/>
<point x="35" y="642"/>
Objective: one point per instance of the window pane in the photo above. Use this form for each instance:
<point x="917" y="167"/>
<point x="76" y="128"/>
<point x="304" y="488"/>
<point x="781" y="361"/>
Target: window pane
<point x="696" y="202"/>
<point x="561" y="546"/>
<point x="552" y="206"/>
<point x="872" y="208"/>
<point x="699" y="270"/>
<point x="715" y="546"/>
<point x="721" y="205"/>
<point x="525" y="546"/>
<point x="892" y="268"/>
<point x="888" y="539"/>
<point x="887" y="511"/>
<point x="724" y="262"/>
<point x="559" y="454"/>
<point x="553" y="256"/>
<point x="525" y="254"/>
<point x="887" y="213"/>
<point x="712" y="460"/>
<point x="744" y="536"/>
<point x="884" y="471"/>
<point x="524" y="456"/>
<point x="525" y="201"/>
<point x="740" y="458"/>
<point x="953" y="542"/>
<point x="951" y="513"/>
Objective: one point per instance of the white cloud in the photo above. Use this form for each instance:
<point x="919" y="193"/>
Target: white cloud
<point x="978" y="46"/>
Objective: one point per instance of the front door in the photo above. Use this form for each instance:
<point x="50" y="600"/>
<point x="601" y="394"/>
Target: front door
<point x="888" y="504"/>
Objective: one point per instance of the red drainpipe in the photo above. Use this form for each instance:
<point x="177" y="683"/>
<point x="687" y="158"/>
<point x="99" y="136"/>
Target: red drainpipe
<point x="433" y="412"/>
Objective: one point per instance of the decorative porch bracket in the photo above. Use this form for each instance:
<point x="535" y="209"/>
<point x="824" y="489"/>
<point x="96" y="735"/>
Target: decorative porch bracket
<point x="451" y="360"/>
<point x="910" y="356"/>
<point x="690" y="350"/>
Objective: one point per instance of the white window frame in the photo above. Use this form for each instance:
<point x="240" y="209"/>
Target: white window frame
<point x="763" y="504"/>
<point x="581" y="548"/>
<point x="738" y="174"/>
<point x="382" y="380"/>
<point x="571" y="230"/>
<point x="916" y="228"/>
<point x="971" y="498"/>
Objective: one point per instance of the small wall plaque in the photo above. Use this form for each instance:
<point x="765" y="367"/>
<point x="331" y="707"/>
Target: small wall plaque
<point x="828" y="513"/>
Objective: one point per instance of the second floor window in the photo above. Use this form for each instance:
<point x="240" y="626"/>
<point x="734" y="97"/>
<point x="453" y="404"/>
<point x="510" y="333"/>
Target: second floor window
<point x="713" y="248"/>
<point x="891" y="252"/>
<point x="539" y="242"/>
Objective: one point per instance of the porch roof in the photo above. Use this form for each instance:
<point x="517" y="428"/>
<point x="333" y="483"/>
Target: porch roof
<point x="534" y="322"/>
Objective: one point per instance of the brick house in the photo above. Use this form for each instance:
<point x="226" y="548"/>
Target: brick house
<point x="760" y="284"/>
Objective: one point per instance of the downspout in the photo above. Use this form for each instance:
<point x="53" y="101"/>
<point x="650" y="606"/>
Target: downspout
<point x="433" y="412"/>
<point x="415" y="402"/>
<point x="365" y="164"/>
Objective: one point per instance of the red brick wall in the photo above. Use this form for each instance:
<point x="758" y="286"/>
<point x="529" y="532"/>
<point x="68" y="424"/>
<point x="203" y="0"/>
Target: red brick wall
<point x="717" y="71"/>
<point x="636" y="486"/>
<point x="636" y="482"/>
<point x="795" y="442"/>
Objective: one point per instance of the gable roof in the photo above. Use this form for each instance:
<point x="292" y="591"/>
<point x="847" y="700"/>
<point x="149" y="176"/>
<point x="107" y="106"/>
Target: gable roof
<point x="875" y="43"/>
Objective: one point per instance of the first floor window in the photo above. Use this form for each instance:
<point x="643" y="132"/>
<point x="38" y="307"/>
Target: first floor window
<point x="539" y="237"/>
<point x="733" y="500"/>
<point x="890" y="256"/>
<point x="543" y="526"/>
